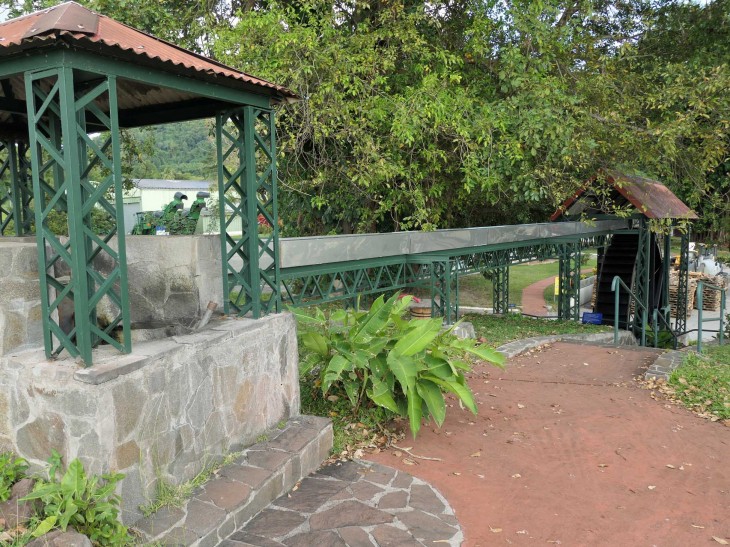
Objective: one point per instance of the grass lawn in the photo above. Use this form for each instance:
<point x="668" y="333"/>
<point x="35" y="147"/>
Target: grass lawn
<point x="702" y="383"/>
<point x="474" y="290"/>
<point x="501" y="330"/>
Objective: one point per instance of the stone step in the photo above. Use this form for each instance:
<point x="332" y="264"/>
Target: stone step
<point x="241" y="490"/>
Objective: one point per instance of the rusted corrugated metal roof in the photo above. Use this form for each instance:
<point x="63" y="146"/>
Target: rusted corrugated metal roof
<point x="75" y="23"/>
<point x="650" y="198"/>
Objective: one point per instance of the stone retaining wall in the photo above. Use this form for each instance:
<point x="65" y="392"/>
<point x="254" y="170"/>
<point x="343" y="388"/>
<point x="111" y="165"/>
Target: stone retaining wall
<point x="161" y="412"/>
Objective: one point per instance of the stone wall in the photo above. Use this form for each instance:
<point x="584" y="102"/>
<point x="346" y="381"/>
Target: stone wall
<point x="21" y="325"/>
<point x="171" y="278"/>
<point x="161" y="412"/>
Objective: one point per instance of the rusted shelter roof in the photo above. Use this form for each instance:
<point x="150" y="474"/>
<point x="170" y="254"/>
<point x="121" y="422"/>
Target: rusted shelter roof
<point x="648" y="197"/>
<point x="72" y="26"/>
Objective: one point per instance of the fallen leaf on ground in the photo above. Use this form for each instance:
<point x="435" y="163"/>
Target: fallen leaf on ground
<point x="720" y="540"/>
<point x="457" y="474"/>
<point x="495" y="530"/>
<point x="516" y="476"/>
<point x="652" y="487"/>
<point x="408" y="461"/>
<point x="476" y="455"/>
<point x="520" y="406"/>
<point x="522" y="531"/>
<point x="670" y="466"/>
<point x="695" y="526"/>
<point x="397" y="453"/>
<point x="602" y="465"/>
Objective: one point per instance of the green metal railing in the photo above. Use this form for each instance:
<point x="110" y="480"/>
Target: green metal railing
<point x="657" y="317"/>
<point x="700" y="320"/>
<point x="616" y="285"/>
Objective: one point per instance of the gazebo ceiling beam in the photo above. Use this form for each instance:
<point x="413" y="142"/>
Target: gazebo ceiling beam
<point x="140" y="117"/>
<point x="82" y="60"/>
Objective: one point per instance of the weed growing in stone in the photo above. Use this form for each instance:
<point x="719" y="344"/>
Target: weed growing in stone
<point x="88" y="504"/>
<point x="170" y="495"/>
<point x="11" y="471"/>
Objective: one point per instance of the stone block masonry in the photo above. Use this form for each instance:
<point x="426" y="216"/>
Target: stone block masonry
<point x="263" y="473"/>
<point x="21" y="323"/>
<point x="162" y="412"/>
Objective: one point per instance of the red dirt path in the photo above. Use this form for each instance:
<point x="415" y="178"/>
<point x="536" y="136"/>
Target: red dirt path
<point x="587" y="445"/>
<point x="533" y="296"/>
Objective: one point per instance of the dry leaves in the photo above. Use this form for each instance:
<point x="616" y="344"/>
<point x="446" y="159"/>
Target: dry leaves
<point x="476" y="455"/>
<point x="495" y="530"/>
<point x="720" y="540"/>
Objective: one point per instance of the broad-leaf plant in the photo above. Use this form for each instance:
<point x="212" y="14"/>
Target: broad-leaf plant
<point x="377" y="356"/>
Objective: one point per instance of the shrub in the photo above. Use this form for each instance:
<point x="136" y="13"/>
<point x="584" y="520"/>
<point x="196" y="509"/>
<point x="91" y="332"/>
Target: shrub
<point x="379" y="358"/>
<point x="11" y="471"/>
<point x="88" y="504"/>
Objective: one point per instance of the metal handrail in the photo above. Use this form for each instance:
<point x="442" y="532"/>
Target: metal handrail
<point x="700" y="290"/>
<point x="616" y="287"/>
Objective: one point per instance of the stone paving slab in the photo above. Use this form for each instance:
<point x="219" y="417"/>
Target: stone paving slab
<point x="354" y="504"/>
<point x="236" y="497"/>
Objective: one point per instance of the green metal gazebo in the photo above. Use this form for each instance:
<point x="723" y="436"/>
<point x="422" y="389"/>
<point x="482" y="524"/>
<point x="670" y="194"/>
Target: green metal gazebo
<point x="66" y="74"/>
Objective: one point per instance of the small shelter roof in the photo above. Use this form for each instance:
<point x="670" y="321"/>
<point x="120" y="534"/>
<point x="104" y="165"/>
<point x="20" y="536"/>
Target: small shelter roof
<point x="75" y="24"/>
<point x="649" y="197"/>
<point x="157" y="81"/>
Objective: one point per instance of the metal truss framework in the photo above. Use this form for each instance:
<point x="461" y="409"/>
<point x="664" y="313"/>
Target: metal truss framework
<point x="60" y="145"/>
<point x="500" y="290"/>
<point x="569" y="282"/>
<point x="643" y="269"/>
<point x="16" y="192"/>
<point x="246" y="141"/>
<point x="680" y="325"/>
<point x="437" y="273"/>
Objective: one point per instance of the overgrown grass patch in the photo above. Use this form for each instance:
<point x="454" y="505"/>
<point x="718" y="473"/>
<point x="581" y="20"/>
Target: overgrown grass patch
<point x="702" y="382"/>
<point x="352" y="429"/>
<point x="500" y="330"/>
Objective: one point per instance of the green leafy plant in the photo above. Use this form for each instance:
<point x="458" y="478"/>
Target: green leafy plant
<point x="11" y="471"/>
<point x="88" y="504"/>
<point x="380" y="358"/>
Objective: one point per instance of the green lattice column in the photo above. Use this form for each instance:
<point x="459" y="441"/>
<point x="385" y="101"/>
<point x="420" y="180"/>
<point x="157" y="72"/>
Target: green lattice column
<point x="680" y="326"/>
<point x="444" y="292"/>
<point x="569" y="282"/>
<point x="58" y="144"/>
<point x="641" y="282"/>
<point x="16" y="194"/>
<point x="246" y="146"/>
<point x="500" y="290"/>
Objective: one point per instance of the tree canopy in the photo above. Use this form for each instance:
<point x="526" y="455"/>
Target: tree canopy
<point x="423" y="115"/>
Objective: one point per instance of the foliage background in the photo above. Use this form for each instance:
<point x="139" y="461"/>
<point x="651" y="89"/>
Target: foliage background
<point x="424" y="115"/>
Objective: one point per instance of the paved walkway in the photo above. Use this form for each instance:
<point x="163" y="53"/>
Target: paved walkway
<point x="354" y="505"/>
<point x="568" y="450"/>
<point x="533" y="300"/>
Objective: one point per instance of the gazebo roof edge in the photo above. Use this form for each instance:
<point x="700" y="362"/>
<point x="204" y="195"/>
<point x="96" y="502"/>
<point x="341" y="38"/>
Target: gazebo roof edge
<point x="75" y="24"/>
